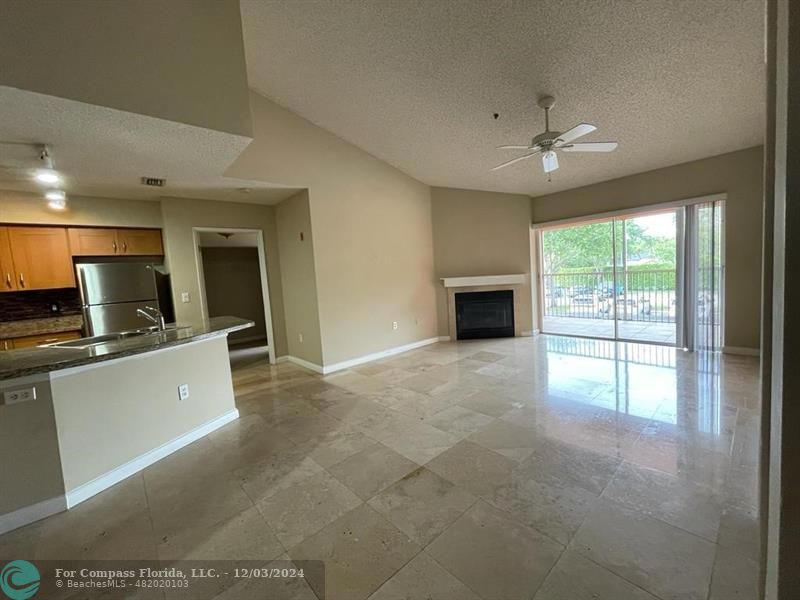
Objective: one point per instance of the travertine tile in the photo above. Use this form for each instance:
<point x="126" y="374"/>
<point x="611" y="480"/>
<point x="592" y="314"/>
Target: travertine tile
<point x="424" y="578"/>
<point x="297" y="511"/>
<point x="670" y="563"/>
<point x="577" y="578"/>
<point x="458" y="420"/>
<point x="563" y="415"/>
<point x="687" y="505"/>
<point x="493" y="555"/>
<point x="361" y="551"/>
<point x="244" y="536"/>
<point x="420" y="442"/>
<point x="422" y="504"/>
<point x="371" y="470"/>
<point x="473" y="468"/>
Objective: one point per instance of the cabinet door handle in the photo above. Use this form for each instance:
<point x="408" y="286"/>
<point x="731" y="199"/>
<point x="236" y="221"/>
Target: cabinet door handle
<point x="114" y="245"/>
<point x="8" y="280"/>
<point x="124" y="246"/>
<point x="22" y="280"/>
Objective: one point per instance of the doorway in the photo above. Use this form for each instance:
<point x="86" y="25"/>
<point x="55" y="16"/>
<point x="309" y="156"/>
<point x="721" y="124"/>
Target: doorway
<point x="654" y="276"/>
<point x="231" y="265"/>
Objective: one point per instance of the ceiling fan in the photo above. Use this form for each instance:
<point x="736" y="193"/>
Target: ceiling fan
<point x="549" y="142"/>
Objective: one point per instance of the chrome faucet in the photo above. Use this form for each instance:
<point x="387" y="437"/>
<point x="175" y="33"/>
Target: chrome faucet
<point x="153" y="315"/>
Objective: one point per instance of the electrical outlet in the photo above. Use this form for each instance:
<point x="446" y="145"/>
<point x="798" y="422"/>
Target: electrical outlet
<point x="394" y="325"/>
<point x="185" y="297"/>
<point x="300" y="337"/>
<point x="183" y="391"/>
<point x="22" y="395"/>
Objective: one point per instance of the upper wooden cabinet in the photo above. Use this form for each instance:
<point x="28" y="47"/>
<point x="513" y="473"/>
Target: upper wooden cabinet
<point x="92" y="241"/>
<point x="140" y="242"/>
<point x="9" y="276"/>
<point x="98" y="241"/>
<point x="41" y="258"/>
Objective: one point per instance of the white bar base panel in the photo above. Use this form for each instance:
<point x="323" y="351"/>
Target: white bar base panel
<point x="94" y="487"/>
<point x="35" y="512"/>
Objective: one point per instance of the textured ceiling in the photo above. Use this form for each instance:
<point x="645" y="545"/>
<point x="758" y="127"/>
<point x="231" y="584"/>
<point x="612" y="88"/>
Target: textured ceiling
<point x="104" y="152"/>
<point x="416" y="82"/>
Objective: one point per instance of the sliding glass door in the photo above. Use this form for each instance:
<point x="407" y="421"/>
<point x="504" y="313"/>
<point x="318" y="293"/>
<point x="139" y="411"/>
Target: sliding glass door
<point x="653" y="277"/>
<point x="614" y="278"/>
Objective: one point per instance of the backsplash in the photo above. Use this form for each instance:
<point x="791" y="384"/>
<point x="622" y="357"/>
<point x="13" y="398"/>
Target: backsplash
<point x="18" y="306"/>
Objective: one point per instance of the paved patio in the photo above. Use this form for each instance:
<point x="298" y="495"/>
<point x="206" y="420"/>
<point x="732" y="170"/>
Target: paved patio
<point x="662" y="333"/>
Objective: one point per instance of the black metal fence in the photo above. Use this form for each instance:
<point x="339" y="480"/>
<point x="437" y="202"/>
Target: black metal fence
<point x="635" y="296"/>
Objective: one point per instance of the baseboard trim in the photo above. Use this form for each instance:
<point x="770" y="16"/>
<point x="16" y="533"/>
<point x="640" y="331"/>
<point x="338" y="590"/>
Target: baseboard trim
<point x="105" y="481"/>
<point x="30" y="514"/>
<point x="353" y="362"/>
<point x="301" y="362"/>
<point x="444" y="338"/>
<point x="741" y="351"/>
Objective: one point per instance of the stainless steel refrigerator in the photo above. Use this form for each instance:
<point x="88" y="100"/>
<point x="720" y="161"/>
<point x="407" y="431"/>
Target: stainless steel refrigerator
<point x="111" y="293"/>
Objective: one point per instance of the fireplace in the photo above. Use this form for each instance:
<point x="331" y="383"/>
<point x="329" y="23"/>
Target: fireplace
<point x="484" y="314"/>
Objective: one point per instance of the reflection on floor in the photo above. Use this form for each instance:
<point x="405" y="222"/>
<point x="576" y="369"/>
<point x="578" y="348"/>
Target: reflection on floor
<point x="644" y="331"/>
<point x="545" y="468"/>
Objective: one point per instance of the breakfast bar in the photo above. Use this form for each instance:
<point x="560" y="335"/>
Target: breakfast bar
<point x="79" y="416"/>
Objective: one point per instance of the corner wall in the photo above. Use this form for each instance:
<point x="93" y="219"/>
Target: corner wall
<point x="373" y="236"/>
<point x="299" y="278"/>
<point x="481" y="233"/>
<point x="739" y="175"/>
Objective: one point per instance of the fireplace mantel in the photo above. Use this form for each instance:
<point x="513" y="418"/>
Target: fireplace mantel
<point x="483" y="280"/>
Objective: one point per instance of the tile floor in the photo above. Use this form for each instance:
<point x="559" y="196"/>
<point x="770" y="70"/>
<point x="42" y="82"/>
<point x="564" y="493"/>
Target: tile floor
<point x="546" y="468"/>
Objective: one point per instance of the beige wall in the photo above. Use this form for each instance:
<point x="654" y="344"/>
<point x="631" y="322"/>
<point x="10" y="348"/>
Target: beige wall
<point x="30" y="467"/>
<point x="737" y="174"/>
<point x="98" y="432"/>
<point x="184" y="62"/>
<point x="181" y="215"/>
<point x="21" y="207"/>
<point x="481" y="233"/>
<point x="373" y="241"/>
<point x="299" y="279"/>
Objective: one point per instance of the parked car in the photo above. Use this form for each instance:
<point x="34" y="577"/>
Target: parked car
<point x="608" y="291"/>
<point x="626" y="305"/>
<point x="586" y="298"/>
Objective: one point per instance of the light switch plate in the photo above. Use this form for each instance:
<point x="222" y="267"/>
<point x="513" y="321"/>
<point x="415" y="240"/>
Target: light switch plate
<point x="183" y="391"/>
<point x="185" y="297"/>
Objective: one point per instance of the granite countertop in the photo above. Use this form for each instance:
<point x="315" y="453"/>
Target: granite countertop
<point x="24" y="327"/>
<point x="31" y="361"/>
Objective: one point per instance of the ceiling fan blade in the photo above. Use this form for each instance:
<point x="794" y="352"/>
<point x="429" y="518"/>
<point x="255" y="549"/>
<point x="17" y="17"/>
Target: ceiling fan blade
<point x="579" y="130"/>
<point x="590" y="147"/>
<point x="549" y="161"/>
<point x="513" y="160"/>
<point x="513" y="147"/>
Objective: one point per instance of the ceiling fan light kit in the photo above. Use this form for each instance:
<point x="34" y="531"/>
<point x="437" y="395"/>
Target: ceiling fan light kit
<point x="549" y="142"/>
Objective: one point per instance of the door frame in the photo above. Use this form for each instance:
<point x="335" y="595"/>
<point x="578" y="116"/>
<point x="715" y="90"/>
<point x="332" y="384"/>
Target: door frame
<point x="262" y="268"/>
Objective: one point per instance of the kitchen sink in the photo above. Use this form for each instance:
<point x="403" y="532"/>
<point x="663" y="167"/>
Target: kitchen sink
<point x="105" y="338"/>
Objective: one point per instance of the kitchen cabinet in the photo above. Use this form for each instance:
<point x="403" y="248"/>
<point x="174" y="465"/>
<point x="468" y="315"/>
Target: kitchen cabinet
<point x="103" y="241"/>
<point x="92" y="241"/>
<point x="41" y="258"/>
<point x="9" y="277"/>
<point x="31" y="341"/>
<point x="140" y="242"/>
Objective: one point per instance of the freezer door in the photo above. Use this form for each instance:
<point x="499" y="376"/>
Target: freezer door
<point x="104" y="283"/>
<point x="112" y="318"/>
